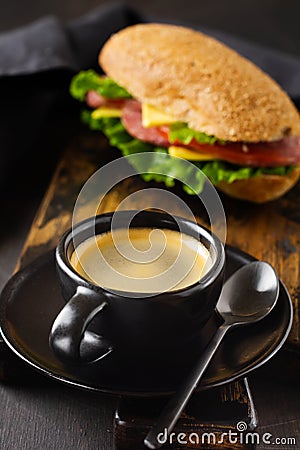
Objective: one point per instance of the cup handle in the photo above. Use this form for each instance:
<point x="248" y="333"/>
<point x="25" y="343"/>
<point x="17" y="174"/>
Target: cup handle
<point x="69" y="339"/>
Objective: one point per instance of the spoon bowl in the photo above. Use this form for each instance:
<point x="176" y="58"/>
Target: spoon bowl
<point x="249" y="294"/>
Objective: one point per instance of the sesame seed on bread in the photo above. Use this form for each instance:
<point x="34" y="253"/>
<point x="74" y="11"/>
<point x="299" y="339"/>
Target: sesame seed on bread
<point x="200" y="81"/>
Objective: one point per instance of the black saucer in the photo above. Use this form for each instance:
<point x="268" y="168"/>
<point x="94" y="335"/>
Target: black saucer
<point x="31" y="300"/>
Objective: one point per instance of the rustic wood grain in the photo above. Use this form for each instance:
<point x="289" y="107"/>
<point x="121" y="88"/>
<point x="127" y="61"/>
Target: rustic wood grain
<point x="227" y="406"/>
<point x="271" y="232"/>
<point x="81" y="158"/>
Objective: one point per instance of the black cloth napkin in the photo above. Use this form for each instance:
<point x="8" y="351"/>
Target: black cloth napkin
<point x="37" y="62"/>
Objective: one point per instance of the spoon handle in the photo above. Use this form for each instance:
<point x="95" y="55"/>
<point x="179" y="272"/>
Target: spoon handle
<point x="176" y="404"/>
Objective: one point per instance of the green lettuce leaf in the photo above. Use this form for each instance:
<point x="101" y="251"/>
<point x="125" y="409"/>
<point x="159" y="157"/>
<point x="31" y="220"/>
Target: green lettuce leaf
<point x="89" y="80"/>
<point x="215" y="170"/>
<point x="181" y="132"/>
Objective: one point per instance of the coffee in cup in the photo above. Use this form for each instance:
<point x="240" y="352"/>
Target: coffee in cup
<point x="155" y="318"/>
<point x="142" y="260"/>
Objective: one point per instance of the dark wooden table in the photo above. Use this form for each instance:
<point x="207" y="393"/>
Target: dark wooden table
<point x="40" y="413"/>
<point x="52" y="416"/>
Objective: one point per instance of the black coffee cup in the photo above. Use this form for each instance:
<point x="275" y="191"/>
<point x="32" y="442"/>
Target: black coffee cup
<point x="96" y="321"/>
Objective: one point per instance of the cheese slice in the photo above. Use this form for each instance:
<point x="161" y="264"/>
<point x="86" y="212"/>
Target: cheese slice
<point x="103" y="111"/>
<point x="153" y="117"/>
<point x="191" y="155"/>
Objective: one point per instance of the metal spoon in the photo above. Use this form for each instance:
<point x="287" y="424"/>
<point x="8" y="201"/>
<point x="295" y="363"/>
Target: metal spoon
<point x="247" y="297"/>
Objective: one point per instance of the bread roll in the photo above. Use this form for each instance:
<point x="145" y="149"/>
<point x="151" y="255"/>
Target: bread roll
<point x="200" y="81"/>
<point x="262" y="188"/>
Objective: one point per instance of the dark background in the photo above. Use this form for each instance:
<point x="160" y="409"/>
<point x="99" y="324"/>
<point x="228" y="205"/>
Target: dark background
<point x="28" y="415"/>
<point x="274" y="23"/>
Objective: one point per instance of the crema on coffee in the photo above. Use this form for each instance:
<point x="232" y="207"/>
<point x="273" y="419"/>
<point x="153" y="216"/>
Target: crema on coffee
<point x="142" y="260"/>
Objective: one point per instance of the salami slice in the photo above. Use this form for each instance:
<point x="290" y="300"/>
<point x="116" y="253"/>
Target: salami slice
<point x="95" y="100"/>
<point x="132" y="121"/>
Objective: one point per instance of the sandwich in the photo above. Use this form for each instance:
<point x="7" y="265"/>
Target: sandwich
<point x="170" y="89"/>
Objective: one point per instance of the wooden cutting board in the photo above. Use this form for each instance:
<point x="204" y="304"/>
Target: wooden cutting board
<point x="270" y="231"/>
<point x="225" y="406"/>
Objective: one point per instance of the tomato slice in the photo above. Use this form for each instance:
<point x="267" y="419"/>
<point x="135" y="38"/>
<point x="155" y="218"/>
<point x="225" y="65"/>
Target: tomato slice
<point x="285" y="152"/>
<point x="262" y="154"/>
